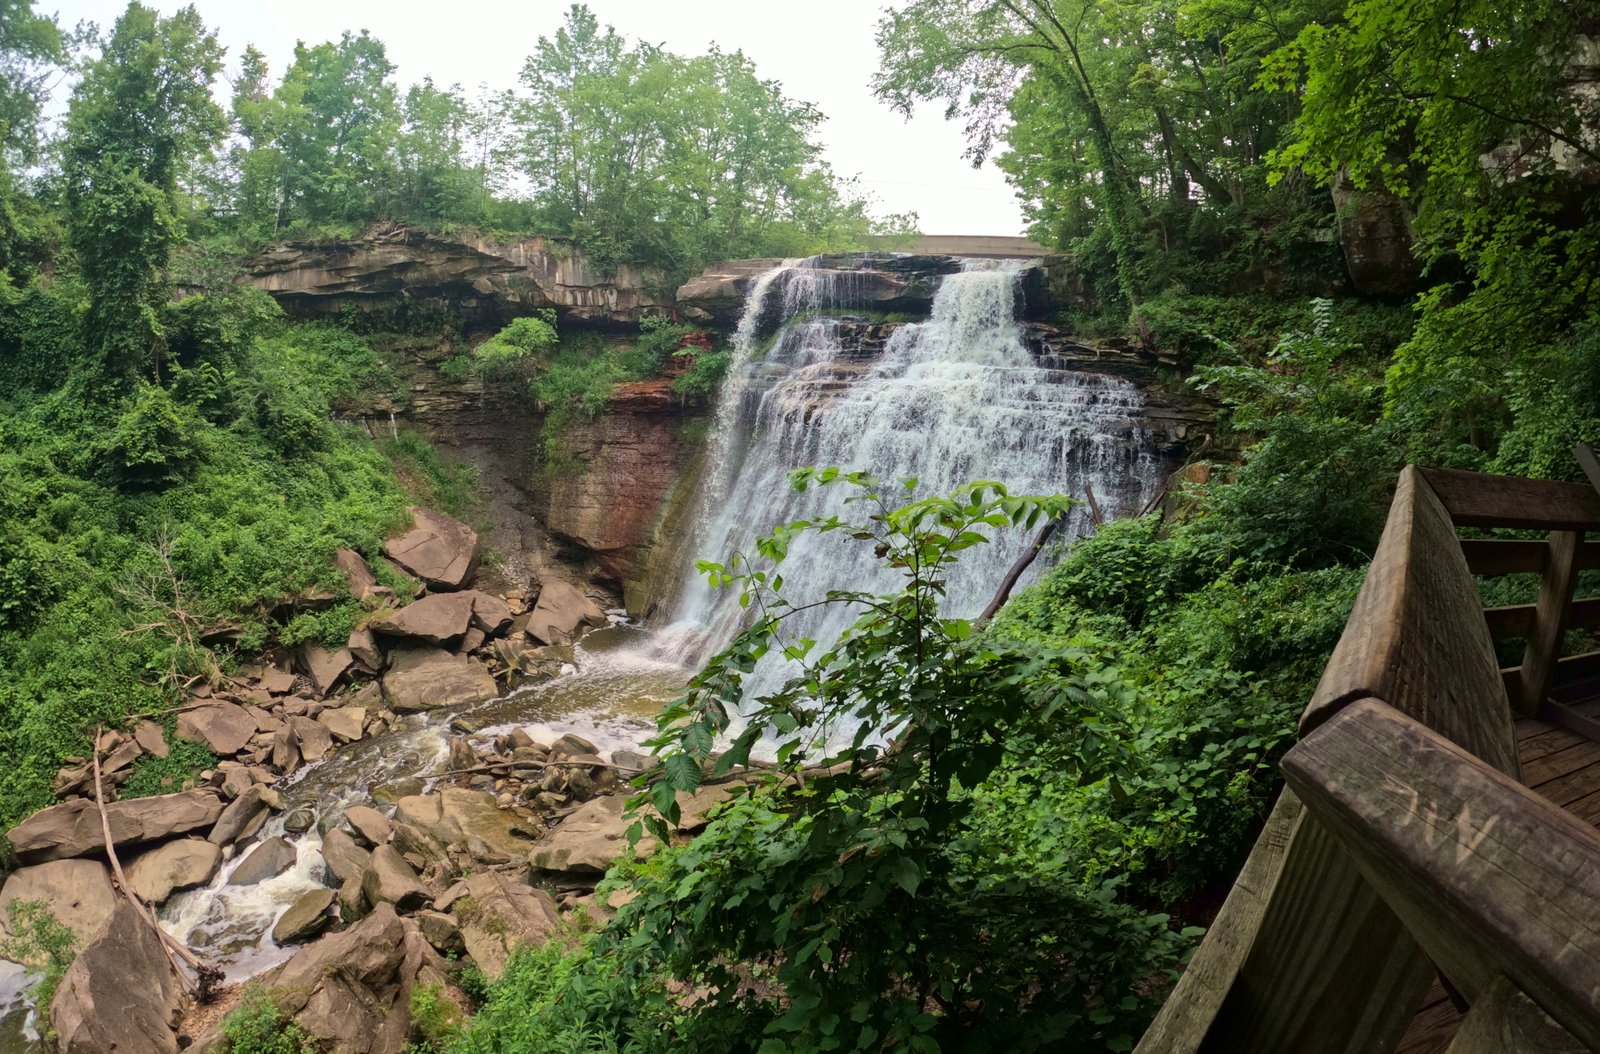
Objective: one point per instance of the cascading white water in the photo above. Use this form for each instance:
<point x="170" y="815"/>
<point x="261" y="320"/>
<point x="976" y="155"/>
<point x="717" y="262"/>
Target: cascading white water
<point x="953" y="399"/>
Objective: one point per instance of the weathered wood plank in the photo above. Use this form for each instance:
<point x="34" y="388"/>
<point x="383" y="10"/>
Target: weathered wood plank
<point x="1431" y="1030"/>
<point x="1477" y="499"/>
<point x="1416" y="637"/>
<point x="1573" y="720"/>
<point x="1507" y="1020"/>
<point x="1288" y="963"/>
<point x="1554" y="604"/>
<point x="1490" y="879"/>
<point x="1493" y="557"/>
<point x="1518" y="620"/>
<point x="1188" y="1011"/>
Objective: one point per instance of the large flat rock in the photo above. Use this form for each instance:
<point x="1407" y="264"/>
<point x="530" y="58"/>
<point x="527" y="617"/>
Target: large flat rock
<point x="425" y="678"/>
<point x="73" y="828"/>
<point x="439" y="550"/>
<point x="470" y="819"/>
<point x="184" y="863"/>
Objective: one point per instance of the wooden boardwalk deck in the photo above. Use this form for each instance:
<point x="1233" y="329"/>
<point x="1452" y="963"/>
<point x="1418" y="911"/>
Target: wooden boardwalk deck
<point x="1562" y="767"/>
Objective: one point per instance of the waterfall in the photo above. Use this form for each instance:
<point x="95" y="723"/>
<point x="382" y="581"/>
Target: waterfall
<point x="955" y="398"/>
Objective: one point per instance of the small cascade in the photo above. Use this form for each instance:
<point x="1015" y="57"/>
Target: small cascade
<point x="953" y="399"/>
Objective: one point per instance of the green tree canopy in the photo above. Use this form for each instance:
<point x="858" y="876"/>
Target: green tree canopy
<point x="139" y="121"/>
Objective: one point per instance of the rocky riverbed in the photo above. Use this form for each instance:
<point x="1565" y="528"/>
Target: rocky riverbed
<point x="441" y="789"/>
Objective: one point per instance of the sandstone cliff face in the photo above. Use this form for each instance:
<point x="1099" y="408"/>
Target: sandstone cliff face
<point x="629" y="461"/>
<point x="482" y="281"/>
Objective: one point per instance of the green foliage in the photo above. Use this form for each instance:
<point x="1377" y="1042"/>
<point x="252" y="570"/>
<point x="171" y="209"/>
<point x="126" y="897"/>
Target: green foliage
<point x="519" y="348"/>
<point x="41" y="942"/>
<point x="140" y="119"/>
<point x="557" y="998"/>
<point x="124" y="525"/>
<point x="646" y="156"/>
<point x="175" y="772"/>
<point x="438" y="483"/>
<point x="862" y="910"/>
<point x="257" y="1026"/>
<point x="1311" y="490"/>
<point x="703" y="379"/>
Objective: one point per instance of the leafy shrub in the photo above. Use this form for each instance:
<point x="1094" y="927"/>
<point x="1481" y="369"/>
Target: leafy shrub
<point x="175" y="772"/>
<point x="449" y="487"/>
<point x="523" y="344"/>
<point x="41" y="942"/>
<point x="703" y="379"/>
<point x="862" y="910"/>
<point x="257" y="1026"/>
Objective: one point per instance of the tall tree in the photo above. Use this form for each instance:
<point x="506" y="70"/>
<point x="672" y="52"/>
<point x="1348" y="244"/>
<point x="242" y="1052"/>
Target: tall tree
<point x="140" y="119"/>
<point x="338" y="118"/>
<point x="30" y="47"/>
<point x="648" y="156"/>
<point x="1118" y="117"/>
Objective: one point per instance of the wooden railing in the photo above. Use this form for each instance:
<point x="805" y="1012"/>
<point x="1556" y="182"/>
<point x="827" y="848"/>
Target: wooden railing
<point x="1404" y="847"/>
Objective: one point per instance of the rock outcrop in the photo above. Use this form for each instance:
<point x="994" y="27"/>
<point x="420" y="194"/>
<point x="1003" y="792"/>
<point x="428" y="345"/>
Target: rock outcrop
<point x="1376" y="236"/>
<point x="482" y="281"/>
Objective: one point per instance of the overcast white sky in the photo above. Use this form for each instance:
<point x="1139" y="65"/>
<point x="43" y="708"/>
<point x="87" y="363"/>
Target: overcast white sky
<point x="822" y="50"/>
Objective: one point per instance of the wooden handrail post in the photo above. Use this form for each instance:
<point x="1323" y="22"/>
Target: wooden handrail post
<point x="1544" y="643"/>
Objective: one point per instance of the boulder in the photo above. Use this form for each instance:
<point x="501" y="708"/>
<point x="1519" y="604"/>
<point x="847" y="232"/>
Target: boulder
<point x="440" y="931"/>
<point x="491" y="614"/>
<point x="562" y="608"/>
<point x="237" y="819"/>
<point x="345" y="859"/>
<point x="441" y="619"/>
<point x="344" y="723"/>
<point x="390" y="880"/>
<point x="590" y="840"/>
<point x="573" y="745"/>
<point x="267" y="860"/>
<point x="497" y="915"/>
<point x="420" y="849"/>
<point x="439" y="550"/>
<point x="305" y="918"/>
<point x="369" y="823"/>
<point x="77" y="892"/>
<point x="121" y="993"/>
<point x="156" y="874"/>
<point x="151" y="737"/>
<point x="357" y="575"/>
<point x="277" y="682"/>
<point x="471" y="819"/>
<point x="225" y="728"/>
<point x="73" y="828"/>
<point x="363" y="648"/>
<point x="323" y="668"/>
<point x="353" y="906"/>
<point x="312" y="736"/>
<point x="423" y="678"/>
<point x="352" y="990"/>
